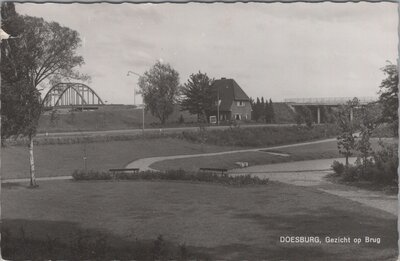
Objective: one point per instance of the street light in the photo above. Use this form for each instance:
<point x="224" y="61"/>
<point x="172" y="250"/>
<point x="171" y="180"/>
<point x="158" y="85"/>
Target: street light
<point x="218" y="105"/>
<point x="142" y="106"/>
<point x="134" y="90"/>
<point x="134" y="99"/>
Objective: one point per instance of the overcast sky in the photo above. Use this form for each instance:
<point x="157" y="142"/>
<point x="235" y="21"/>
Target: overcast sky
<point x="273" y="50"/>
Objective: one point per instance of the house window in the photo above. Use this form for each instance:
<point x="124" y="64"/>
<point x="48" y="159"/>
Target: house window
<point x="240" y="103"/>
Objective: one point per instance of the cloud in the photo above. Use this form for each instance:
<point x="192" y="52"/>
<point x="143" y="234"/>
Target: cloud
<point x="272" y="50"/>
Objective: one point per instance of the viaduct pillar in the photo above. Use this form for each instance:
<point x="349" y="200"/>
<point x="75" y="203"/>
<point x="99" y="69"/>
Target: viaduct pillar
<point x="351" y="114"/>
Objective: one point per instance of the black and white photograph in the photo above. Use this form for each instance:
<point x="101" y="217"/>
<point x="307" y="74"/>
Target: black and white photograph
<point x="199" y="131"/>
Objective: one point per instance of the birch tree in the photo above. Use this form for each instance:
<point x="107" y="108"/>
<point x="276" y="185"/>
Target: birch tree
<point x="41" y="53"/>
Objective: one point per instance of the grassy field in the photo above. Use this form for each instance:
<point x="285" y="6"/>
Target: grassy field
<point x="220" y="222"/>
<point x="324" y="150"/>
<point x="61" y="160"/>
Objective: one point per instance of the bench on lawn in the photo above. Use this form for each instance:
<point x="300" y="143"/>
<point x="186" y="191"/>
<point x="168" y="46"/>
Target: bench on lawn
<point x="214" y="170"/>
<point x="115" y="172"/>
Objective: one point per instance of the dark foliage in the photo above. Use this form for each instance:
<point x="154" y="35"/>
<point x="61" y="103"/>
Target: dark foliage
<point x="198" y="97"/>
<point x="380" y="168"/>
<point x="347" y="126"/>
<point x="389" y="97"/>
<point x="338" y="167"/>
<point x="84" y="245"/>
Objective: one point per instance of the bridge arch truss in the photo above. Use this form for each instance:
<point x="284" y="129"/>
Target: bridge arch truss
<point x="71" y="94"/>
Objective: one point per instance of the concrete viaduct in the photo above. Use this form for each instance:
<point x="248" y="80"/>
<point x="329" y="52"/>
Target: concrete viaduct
<point x="315" y="104"/>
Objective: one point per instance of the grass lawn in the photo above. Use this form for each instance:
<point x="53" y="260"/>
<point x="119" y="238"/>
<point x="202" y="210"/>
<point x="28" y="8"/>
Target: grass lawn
<point x="60" y="160"/>
<point x="324" y="150"/>
<point x="221" y="222"/>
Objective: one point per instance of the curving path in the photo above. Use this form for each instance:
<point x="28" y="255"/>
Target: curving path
<point x="144" y="164"/>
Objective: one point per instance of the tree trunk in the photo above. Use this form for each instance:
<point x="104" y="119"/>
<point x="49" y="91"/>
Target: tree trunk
<point x="32" y="163"/>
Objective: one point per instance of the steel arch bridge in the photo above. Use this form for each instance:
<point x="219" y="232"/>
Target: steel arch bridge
<point x="71" y="94"/>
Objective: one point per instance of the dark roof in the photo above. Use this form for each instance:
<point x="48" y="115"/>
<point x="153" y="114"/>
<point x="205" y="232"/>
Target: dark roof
<point x="229" y="91"/>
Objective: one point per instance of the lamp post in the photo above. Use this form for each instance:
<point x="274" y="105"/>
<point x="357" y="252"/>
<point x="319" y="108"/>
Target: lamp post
<point x="134" y="99"/>
<point x="134" y="90"/>
<point x="217" y="106"/>
<point x="142" y="106"/>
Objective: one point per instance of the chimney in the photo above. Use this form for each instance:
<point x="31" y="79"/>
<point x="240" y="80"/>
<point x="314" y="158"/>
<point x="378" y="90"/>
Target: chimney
<point x="223" y="78"/>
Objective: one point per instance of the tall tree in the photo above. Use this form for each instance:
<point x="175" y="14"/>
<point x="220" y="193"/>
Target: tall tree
<point x="269" y="112"/>
<point x="346" y="140"/>
<point x="389" y="96"/>
<point x="256" y="109"/>
<point x="271" y="106"/>
<point x="198" y="96"/>
<point x="160" y="89"/>
<point x="252" y="103"/>
<point x="261" y="109"/>
<point x="367" y="118"/>
<point x="43" y="52"/>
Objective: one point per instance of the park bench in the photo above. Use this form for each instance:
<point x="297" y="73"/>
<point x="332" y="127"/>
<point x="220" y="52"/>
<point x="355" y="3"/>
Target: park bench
<point x="115" y="172"/>
<point x="222" y="171"/>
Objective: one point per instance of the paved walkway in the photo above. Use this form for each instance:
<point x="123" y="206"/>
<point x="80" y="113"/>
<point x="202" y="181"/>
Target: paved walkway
<point x="37" y="179"/>
<point x="312" y="173"/>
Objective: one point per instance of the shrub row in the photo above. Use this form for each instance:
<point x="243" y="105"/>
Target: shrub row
<point x="172" y="175"/>
<point x="261" y="136"/>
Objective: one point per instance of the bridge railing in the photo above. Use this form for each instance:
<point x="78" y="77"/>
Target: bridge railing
<point x="330" y="100"/>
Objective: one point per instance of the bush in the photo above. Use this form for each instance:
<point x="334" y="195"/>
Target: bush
<point x="179" y="174"/>
<point x="381" y="168"/>
<point x="351" y="173"/>
<point x="338" y="167"/>
<point x="91" y="175"/>
<point x="386" y="161"/>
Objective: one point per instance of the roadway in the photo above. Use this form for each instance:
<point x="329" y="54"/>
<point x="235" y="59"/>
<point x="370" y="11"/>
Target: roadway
<point x="149" y="130"/>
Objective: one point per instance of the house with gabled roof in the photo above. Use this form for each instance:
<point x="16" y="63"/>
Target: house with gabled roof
<point x="234" y="104"/>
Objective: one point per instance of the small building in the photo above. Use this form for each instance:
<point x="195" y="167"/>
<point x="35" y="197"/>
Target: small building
<point x="234" y="104"/>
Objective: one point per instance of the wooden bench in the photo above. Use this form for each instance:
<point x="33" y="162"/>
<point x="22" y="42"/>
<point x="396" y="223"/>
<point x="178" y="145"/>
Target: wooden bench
<point x="214" y="170"/>
<point x="115" y="172"/>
